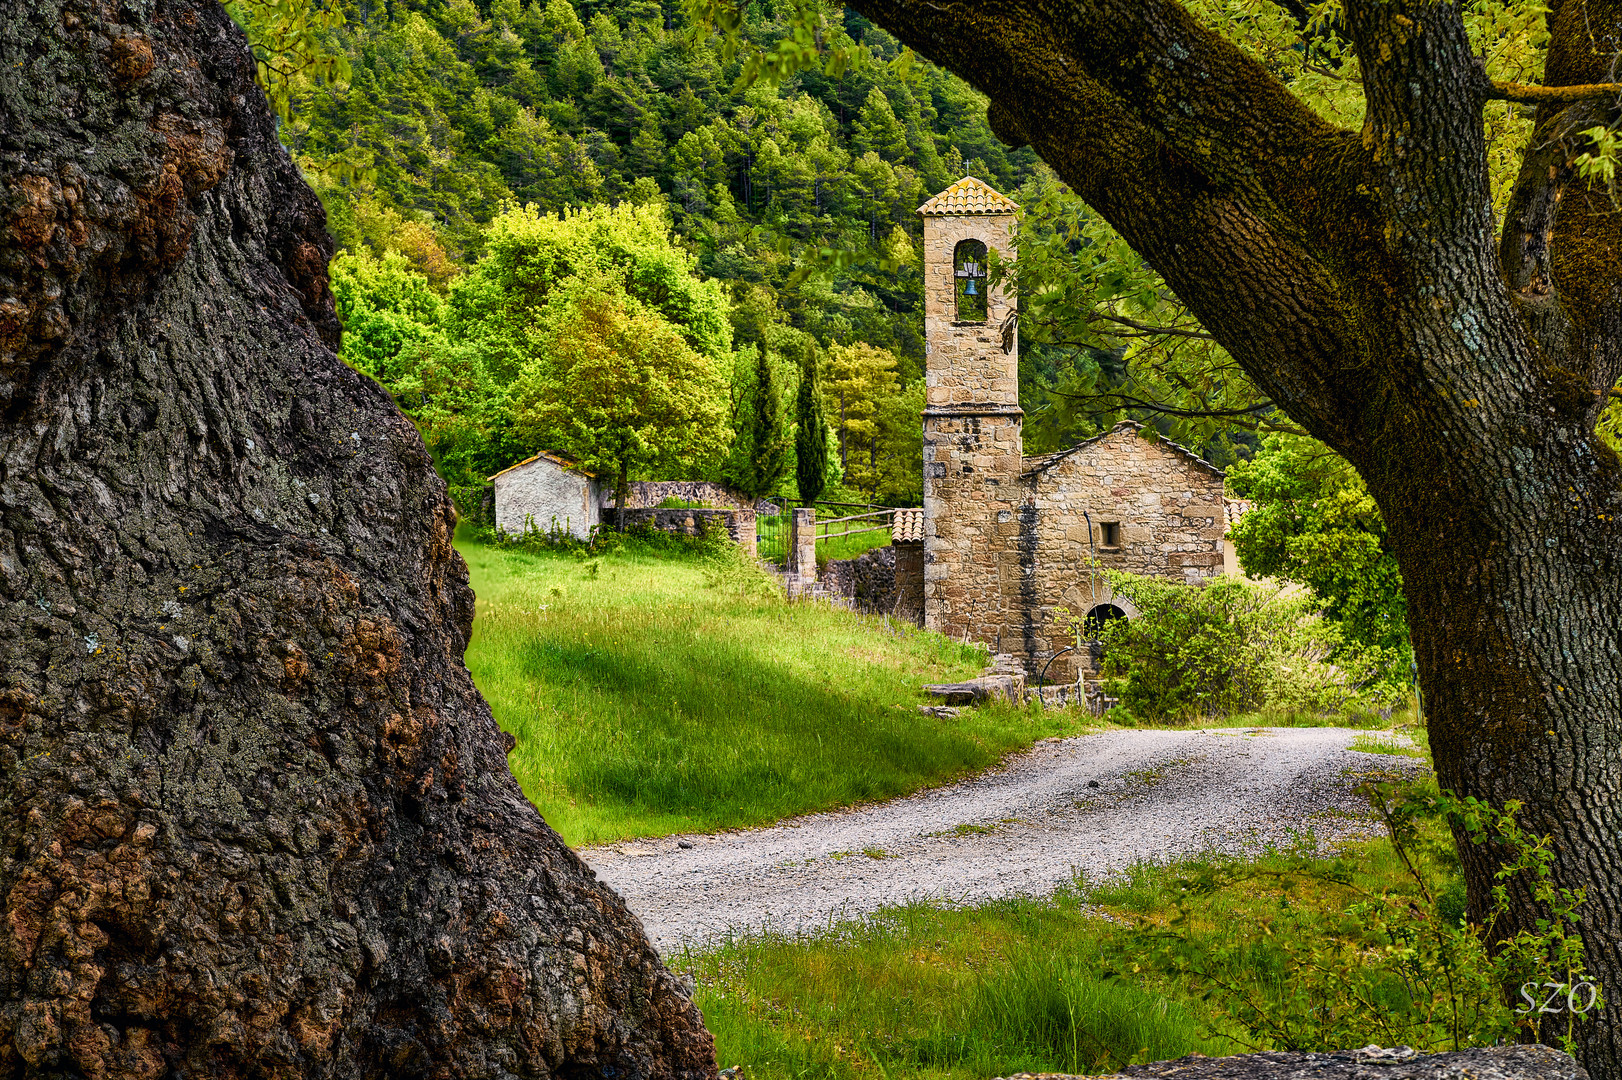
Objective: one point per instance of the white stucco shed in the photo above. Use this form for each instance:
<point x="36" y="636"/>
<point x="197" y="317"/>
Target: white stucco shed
<point x="546" y="492"/>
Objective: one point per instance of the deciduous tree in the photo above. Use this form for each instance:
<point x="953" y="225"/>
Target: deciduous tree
<point x="1311" y="520"/>
<point x="618" y="390"/>
<point x="1350" y="261"/>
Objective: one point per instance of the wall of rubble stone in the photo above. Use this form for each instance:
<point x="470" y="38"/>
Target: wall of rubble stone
<point x="868" y="581"/>
<point x="645" y="494"/>
<point x="738" y="524"/>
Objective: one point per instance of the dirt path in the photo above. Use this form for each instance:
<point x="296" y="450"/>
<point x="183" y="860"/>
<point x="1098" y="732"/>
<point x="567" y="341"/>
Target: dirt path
<point x="1093" y="804"/>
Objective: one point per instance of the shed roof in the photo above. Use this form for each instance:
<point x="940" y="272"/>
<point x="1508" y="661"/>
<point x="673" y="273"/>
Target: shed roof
<point x="908" y="527"/>
<point x="563" y="463"/>
<point x="1032" y="465"/>
<point x="968" y="197"/>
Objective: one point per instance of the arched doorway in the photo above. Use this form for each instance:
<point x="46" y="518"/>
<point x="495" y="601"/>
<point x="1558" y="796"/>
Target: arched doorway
<point x="1098" y="617"/>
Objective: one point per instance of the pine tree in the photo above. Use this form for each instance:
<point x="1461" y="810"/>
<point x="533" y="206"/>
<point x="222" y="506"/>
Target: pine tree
<point x="811" y="440"/>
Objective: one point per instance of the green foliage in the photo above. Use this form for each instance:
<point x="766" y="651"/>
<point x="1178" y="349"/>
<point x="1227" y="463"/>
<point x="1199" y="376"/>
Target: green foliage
<point x="875" y="420"/>
<point x="1312" y="521"/>
<point x="1229" y="646"/>
<point x="1609" y="427"/>
<point x="811" y="435"/>
<point x="619" y="390"/>
<point x="453" y="111"/>
<point x="759" y="457"/>
<point x="387" y="308"/>
<point x="292" y="46"/>
<point x="1102" y="338"/>
<point x="508" y="303"/>
<point x="1406" y="967"/>
<point x="654" y="687"/>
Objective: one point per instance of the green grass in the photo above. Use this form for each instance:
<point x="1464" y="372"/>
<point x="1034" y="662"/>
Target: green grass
<point x="1374" y="744"/>
<point x="926" y="991"/>
<point x="1150" y="965"/>
<point x="848" y="547"/>
<point x="659" y="693"/>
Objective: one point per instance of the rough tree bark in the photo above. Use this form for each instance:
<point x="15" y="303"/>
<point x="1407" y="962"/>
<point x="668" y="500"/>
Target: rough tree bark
<point x="255" y="821"/>
<point x="1356" y="277"/>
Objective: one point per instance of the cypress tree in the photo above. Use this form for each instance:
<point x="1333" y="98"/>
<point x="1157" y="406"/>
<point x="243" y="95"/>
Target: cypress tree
<point x="811" y="441"/>
<point x="770" y="459"/>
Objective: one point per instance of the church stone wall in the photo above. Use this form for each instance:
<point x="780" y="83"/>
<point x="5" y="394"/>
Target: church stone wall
<point x="1167" y="507"/>
<point x="1006" y="539"/>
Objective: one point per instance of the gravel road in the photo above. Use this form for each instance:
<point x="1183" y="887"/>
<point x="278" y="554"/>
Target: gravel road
<point x="1094" y="804"/>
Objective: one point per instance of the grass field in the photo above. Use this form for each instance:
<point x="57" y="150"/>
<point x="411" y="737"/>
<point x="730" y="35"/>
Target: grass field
<point x="1210" y="956"/>
<point x="653" y="693"/>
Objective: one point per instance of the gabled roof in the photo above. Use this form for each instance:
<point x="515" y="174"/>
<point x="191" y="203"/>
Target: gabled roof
<point x="908" y="527"/>
<point x="553" y="458"/>
<point x="968" y="196"/>
<point x="1032" y="465"/>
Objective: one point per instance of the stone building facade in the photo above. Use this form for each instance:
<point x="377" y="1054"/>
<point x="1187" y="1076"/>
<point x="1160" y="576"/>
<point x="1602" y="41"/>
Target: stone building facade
<point x="545" y="492"/>
<point x="971" y="413"/>
<point x="1007" y="539"/>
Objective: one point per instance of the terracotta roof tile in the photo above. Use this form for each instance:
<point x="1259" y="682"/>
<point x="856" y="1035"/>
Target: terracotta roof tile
<point x="968" y="196"/>
<point x="553" y="458"/>
<point x="908" y="527"/>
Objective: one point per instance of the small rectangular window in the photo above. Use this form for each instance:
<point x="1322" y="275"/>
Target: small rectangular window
<point x="1111" y="531"/>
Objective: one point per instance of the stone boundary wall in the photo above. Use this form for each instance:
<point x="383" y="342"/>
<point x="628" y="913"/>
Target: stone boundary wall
<point x="883" y="581"/>
<point x="739" y="524"/>
<point x="867" y="581"/>
<point x="648" y="494"/>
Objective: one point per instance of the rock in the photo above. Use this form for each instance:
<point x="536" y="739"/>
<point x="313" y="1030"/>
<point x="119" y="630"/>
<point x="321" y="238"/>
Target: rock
<point x="684" y="844"/>
<point x="985" y="688"/>
<point x="943" y="712"/>
<point x="1369" y="1063"/>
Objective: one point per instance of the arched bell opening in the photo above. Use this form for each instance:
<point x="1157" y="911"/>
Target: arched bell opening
<point x="969" y="280"/>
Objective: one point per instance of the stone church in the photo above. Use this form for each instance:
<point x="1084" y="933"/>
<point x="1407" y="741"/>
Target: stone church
<point x="1007" y="539"/>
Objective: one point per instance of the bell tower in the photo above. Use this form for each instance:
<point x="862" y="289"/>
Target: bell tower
<point x="972" y="418"/>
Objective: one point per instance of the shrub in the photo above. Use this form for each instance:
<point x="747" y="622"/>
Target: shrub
<point x="1406" y="966"/>
<point x="1230" y="646"/>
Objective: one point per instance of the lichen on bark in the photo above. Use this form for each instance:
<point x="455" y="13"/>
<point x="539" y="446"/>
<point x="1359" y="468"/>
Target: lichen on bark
<point x="255" y="819"/>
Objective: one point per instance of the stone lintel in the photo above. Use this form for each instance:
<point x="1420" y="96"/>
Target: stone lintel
<point x="947" y="412"/>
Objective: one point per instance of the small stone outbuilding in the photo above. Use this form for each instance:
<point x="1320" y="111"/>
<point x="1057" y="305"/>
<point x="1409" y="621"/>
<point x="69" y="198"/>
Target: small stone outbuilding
<point x="547" y="493"/>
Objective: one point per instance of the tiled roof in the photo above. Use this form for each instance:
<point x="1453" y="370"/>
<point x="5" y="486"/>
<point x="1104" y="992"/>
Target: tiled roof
<point x="1033" y="465"/>
<point x="553" y="458"/>
<point x="908" y="527"/>
<point x="968" y="196"/>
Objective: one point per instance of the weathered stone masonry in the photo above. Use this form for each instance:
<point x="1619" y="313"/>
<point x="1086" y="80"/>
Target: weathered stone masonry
<point x="971" y="424"/>
<point x="1009" y="539"/>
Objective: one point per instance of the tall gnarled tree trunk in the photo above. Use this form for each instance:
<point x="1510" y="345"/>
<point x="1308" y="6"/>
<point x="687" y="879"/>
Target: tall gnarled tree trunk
<point x="254" y="818"/>
<point x="1356" y="277"/>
